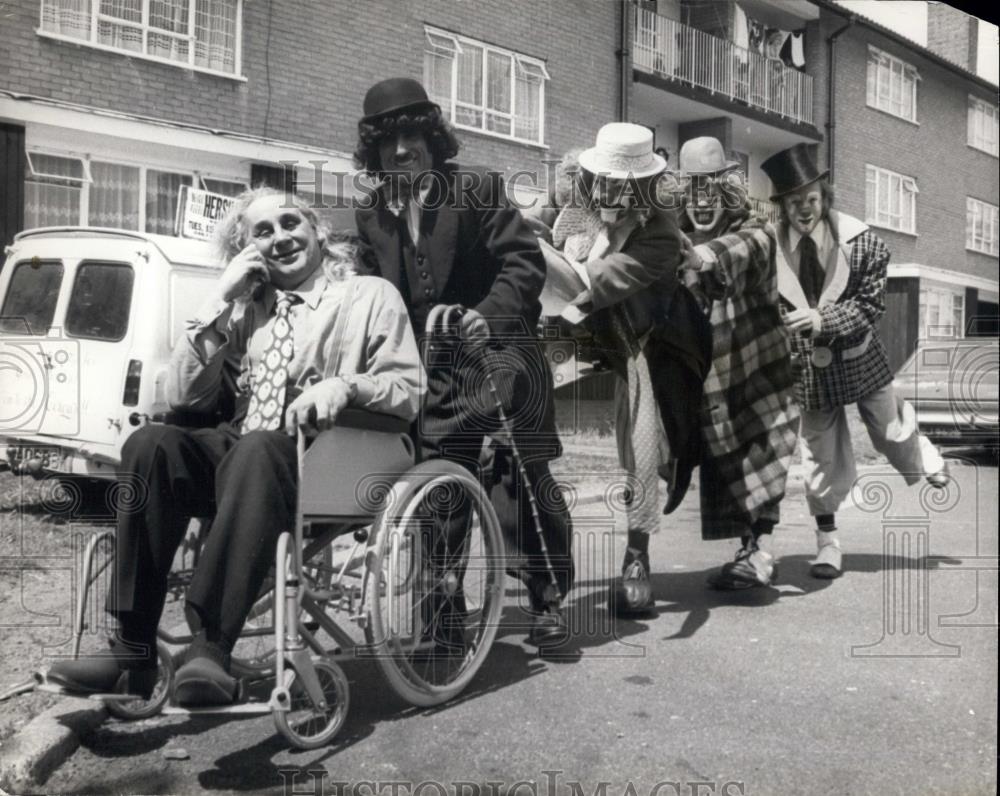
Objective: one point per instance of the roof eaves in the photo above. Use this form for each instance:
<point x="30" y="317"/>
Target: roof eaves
<point x="920" y="49"/>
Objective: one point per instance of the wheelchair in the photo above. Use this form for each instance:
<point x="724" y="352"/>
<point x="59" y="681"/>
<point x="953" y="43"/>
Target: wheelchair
<point x="363" y="552"/>
<point x="363" y="559"/>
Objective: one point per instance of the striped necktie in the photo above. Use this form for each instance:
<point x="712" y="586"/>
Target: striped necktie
<point x="267" y="392"/>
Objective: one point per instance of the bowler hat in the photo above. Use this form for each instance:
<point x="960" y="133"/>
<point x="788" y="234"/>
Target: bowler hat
<point x="395" y="95"/>
<point x="791" y="169"/>
<point x="704" y="155"/>
<point x="623" y="151"/>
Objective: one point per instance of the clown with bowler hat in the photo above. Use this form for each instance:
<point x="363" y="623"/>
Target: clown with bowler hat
<point x="445" y="234"/>
<point x="831" y="272"/>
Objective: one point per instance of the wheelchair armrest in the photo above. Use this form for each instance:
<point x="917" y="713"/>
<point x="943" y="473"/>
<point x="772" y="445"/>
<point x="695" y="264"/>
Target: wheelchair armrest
<point x="372" y="421"/>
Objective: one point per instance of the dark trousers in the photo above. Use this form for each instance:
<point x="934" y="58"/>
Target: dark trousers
<point x="460" y="412"/>
<point x="247" y="484"/>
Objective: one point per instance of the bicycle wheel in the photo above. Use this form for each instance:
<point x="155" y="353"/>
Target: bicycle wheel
<point x="434" y="603"/>
<point x="135" y="709"/>
<point x="307" y="726"/>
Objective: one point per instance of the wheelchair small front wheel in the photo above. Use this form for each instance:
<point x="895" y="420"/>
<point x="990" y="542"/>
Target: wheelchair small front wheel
<point x="434" y="583"/>
<point x="307" y="726"/>
<point x="135" y="709"/>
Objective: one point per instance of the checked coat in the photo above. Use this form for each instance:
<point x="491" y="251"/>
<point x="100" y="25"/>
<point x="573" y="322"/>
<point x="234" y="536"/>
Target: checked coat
<point x="850" y="306"/>
<point x="749" y="419"/>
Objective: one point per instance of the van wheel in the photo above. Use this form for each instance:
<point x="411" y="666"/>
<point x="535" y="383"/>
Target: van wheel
<point x="79" y="497"/>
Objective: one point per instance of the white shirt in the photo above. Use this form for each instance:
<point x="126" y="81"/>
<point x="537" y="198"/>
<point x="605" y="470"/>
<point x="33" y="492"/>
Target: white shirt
<point x="822" y="236"/>
<point x="413" y="209"/>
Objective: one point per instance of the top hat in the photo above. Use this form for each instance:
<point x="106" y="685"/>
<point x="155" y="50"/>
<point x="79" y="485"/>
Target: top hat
<point x="395" y="95"/>
<point x="791" y="169"/>
<point x="623" y="151"/>
<point x="704" y="155"/>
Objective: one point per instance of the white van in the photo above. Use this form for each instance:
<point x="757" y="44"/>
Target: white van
<point x="88" y="318"/>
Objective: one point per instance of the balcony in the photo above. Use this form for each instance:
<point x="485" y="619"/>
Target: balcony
<point x="765" y="208"/>
<point x="666" y="48"/>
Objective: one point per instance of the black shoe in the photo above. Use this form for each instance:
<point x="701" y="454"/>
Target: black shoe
<point x="753" y="568"/>
<point x="106" y="672"/>
<point x="549" y="628"/>
<point x="632" y="594"/>
<point x="204" y="679"/>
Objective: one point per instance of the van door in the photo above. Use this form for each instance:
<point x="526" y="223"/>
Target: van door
<point x="97" y="323"/>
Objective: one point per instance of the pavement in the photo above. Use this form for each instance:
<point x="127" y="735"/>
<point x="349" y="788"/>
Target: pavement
<point x="884" y="681"/>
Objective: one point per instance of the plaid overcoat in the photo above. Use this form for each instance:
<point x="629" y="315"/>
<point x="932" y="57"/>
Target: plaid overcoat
<point x="749" y="419"/>
<point x="850" y="306"/>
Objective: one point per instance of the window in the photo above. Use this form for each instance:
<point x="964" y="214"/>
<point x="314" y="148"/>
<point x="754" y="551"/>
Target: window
<point x="981" y="233"/>
<point x="485" y="88"/>
<point x="942" y="313"/>
<point x="31" y="298"/>
<point x="892" y="85"/>
<point x="198" y="34"/>
<point x="983" y="124"/>
<point x="100" y="302"/>
<point x="890" y="200"/>
<point x="63" y="190"/>
<point x="52" y="190"/>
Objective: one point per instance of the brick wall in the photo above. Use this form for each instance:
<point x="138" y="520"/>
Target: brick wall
<point x="309" y="63"/>
<point x="934" y="151"/>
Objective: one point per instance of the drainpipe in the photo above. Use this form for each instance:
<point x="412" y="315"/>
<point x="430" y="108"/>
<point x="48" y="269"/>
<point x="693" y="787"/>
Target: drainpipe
<point x="624" y="63"/>
<point x="831" y="119"/>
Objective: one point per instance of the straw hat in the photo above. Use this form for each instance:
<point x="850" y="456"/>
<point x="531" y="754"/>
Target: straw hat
<point x="623" y="151"/>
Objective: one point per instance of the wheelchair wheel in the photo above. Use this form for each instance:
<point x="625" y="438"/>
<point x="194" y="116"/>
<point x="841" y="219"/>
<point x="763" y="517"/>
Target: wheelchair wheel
<point x="434" y="583"/>
<point x="135" y="709"/>
<point x="304" y="725"/>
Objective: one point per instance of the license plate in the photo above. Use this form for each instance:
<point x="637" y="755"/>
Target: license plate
<point x="51" y="458"/>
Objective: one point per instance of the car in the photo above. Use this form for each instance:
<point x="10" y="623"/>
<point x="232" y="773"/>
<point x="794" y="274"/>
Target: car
<point x="953" y="386"/>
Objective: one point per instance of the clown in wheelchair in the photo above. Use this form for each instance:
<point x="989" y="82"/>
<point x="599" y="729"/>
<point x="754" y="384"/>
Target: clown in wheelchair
<point x="314" y="374"/>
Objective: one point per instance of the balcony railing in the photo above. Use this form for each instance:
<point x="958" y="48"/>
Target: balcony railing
<point x="679" y="52"/>
<point x="764" y="208"/>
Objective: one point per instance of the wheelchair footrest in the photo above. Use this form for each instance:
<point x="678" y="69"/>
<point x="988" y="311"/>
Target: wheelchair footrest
<point x="256" y="708"/>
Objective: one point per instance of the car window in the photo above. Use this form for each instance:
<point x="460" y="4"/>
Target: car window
<point x="31" y="298"/>
<point x="101" y="300"/>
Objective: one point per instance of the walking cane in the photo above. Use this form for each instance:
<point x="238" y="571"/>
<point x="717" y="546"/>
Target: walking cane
<point x="441" y="319"/>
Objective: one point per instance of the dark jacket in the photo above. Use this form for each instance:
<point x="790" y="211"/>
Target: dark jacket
<point x="480" y="251"/>
<point x="639" y="282"/>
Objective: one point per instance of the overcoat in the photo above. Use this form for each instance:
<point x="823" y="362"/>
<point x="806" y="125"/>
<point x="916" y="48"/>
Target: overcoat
<point x="749" y="419"/>
<point x="847" y="360"/>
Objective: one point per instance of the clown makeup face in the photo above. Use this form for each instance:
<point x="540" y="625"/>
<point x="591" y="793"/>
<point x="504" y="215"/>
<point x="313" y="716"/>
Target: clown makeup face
<point x="406" y="156"/>
<point x="614" y="198"/>
<point x="704" y="202"/>
<point x="286" y="239"/>
<point x="804" y="207"/>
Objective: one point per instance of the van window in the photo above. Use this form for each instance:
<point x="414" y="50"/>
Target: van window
<point x="31" y="297"/>
<point x="101" y="300"/>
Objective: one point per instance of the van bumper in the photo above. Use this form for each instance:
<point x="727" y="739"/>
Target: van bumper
<point x="43" y="457"/>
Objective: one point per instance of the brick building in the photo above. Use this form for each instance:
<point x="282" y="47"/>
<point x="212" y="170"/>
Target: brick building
<point x="106" y="108"/>
<point x="909" y="133"/>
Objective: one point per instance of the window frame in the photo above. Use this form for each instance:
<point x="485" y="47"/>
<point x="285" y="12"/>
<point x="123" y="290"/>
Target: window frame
<point x="991" y="244"/>
<point x="871" y="213"/>
<point x="957" y="302"/>
<point x="980" y="109"/>
<point x="878" y="60"/>
<point x="197" y="180"/>
<point x="521" y="66"/>
<point x="145" y="28"/>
